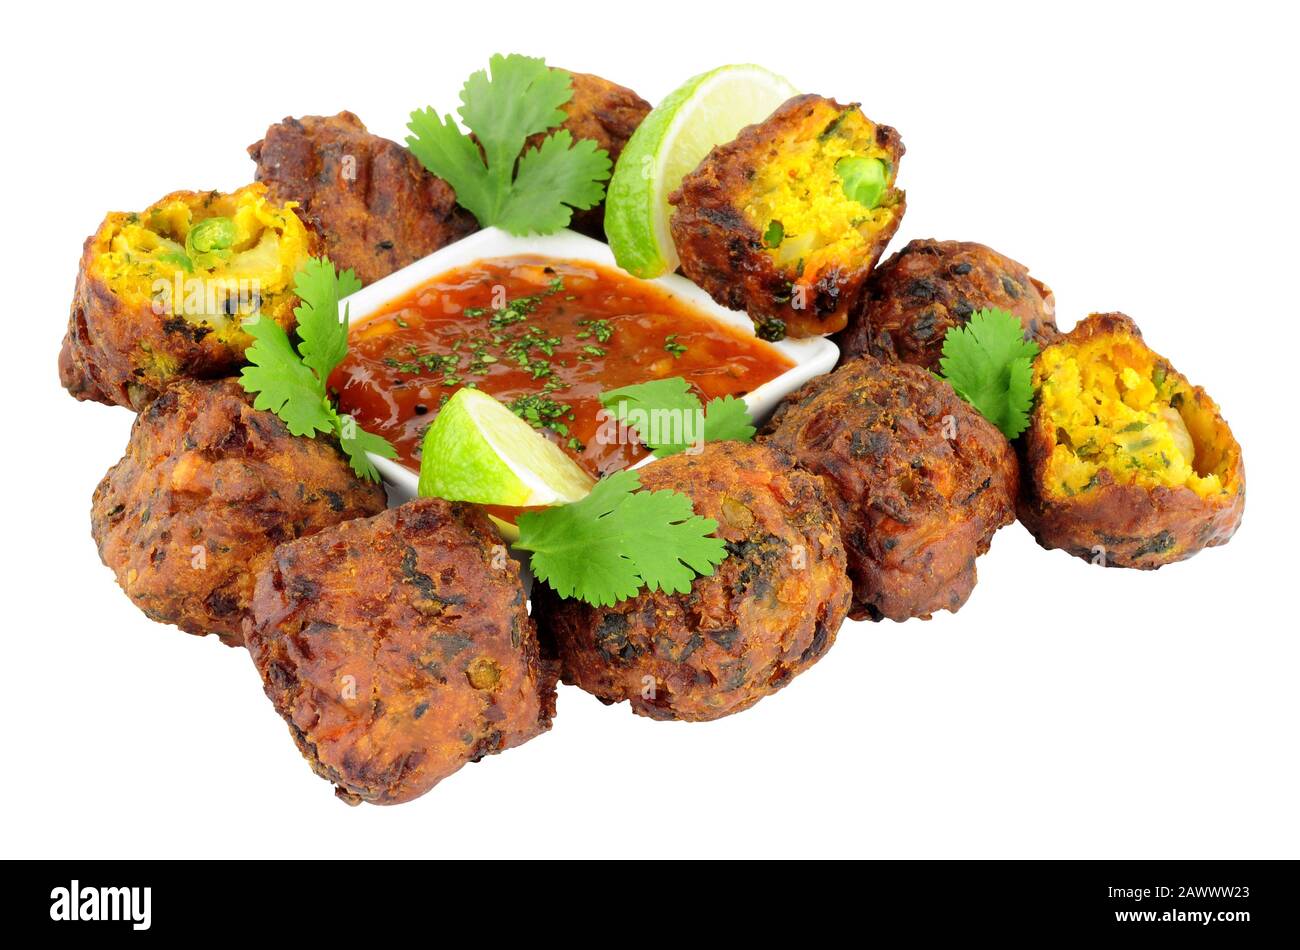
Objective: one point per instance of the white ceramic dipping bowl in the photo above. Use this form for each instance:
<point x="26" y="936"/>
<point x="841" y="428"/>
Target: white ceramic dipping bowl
<point x="811" y="356"/>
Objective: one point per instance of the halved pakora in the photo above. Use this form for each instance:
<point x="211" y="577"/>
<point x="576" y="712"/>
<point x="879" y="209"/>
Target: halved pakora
<point x="786" y="221"/>
<point x="919" y="479"/>
<point x="769" y="612"/>
<point x="399" y="648"/>
<point x="162" y="294"/>
<point x="369" y="201"/>
<point x="920" y="293"/>
<point x="1128" y="464"/>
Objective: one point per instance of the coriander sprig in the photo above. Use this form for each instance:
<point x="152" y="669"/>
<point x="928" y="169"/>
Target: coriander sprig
<point x="292" y="384"/>
<point x="621" y="538"/>
<point x="618" y="539"/>
<point x="990" y="365"/>
<point x="495" y="179"/>
<point x="725" y="418"/>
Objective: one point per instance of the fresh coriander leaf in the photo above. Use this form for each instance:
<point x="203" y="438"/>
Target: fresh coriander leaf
<point x="1020" y="395"/>
<point x="990" y="365"/>
<point x="530" y="193"/>
<point x="726" y="419"/>
<point x="665" y="413"/>
<point x="674" y="416"/>
<point x="552" y="180"/>
<point x="450" y="154"/>
<point x="673" y="393"/>
<point x="515" y="97"/>
<point x="283" y="383"/>
<point x="291" y="383"/>
<point x="609" y="545"/>
<point x="673" y="543"/>
<point x="323" y="334"/>
<point x="578" y="549"/>
<point x="356" y="442"/>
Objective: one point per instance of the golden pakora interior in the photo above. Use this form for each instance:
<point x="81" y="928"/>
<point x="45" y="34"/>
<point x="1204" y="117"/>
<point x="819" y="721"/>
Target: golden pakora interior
<point x="213" y="258"/>
<point x="1116" y="406"/>
<point x="799" y="200"/>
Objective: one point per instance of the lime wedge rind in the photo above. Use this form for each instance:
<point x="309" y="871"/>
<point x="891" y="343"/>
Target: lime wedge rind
<point x="706" y="110"/>
<point x="477" y="450"/>
<point x="532" y="459"/>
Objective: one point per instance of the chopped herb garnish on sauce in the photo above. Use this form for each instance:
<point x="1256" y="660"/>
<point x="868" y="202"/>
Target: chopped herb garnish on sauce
<point x="548" y="362"/>
<point x="672" y="346"/>
<point x="600" y="329"/>
<point x="542" y="412"/>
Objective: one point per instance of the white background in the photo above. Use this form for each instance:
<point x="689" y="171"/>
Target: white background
<point x="1136" y="157"/>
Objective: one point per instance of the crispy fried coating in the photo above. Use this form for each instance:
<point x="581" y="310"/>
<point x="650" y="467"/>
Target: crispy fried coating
<point x="161" y="293"/>
<point x="920" y="481"/>
<point x="1127" y="463"/>
<point x="206" y="490"/>
<point x="766" y="223"/>
<point x="918" y="294"/>
<point x="769" y="612"/>
<point x="608" y="114"/>
<point x="372" y="204"/>
<point x="74" y="375"/>
<point x="398" y="648"/>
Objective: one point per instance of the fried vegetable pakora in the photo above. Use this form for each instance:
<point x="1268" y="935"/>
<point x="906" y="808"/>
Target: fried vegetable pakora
<point x="920" y="481"/>
<point x="786" y="221"/>
<point x="161" y="294"/>
<point x="608" y="114"/>
<point x="370" y="202"/>
<point x="206" y="490"/>
<point x="916" y="296"/>
<point x="398" y="648"/>
<point x="769" y="612"/>
<point x="1128" y="464"/>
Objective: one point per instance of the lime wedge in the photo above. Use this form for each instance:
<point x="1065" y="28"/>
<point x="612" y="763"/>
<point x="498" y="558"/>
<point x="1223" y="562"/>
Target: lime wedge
<point x="478" y="450"/>
<point x="706" y="111"/>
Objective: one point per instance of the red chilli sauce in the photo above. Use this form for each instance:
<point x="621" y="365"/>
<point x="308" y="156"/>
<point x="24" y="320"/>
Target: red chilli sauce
<point x="545" y="336"/>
